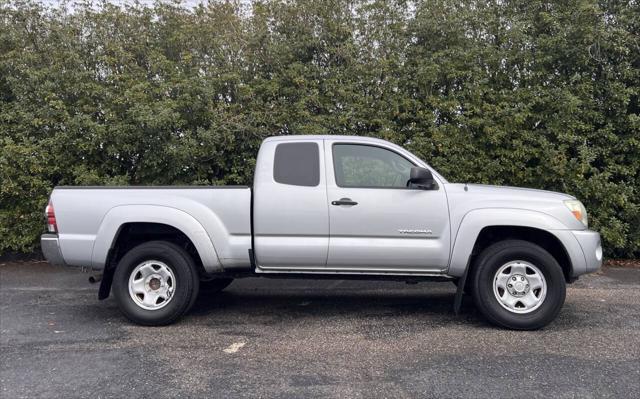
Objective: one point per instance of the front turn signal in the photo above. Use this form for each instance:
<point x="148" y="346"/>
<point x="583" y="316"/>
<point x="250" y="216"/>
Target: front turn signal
<point x="578" y="210"/>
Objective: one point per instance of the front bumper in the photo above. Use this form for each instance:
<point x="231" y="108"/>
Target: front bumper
<point x="51" y="249"/>
<point x="591" y="248"/>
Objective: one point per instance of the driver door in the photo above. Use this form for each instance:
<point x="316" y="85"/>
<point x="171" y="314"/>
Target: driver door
<point x="377" y="223"/>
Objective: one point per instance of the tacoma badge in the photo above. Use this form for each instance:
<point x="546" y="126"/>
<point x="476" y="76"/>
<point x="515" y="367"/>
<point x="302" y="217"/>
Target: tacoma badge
<point x="413" y="231"/>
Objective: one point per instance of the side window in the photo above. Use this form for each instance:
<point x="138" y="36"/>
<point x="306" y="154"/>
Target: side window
<point x="297" y="164"/>
<point x="368" y="166"/>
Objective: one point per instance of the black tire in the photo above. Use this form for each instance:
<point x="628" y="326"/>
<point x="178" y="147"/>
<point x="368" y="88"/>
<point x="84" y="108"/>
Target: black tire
<point x="489" y="263"/>
<point x="214" y="285"/>
<point x="186" y="283"/>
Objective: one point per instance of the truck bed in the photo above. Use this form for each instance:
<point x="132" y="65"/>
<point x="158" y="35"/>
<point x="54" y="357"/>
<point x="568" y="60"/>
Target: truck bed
<point x="217" y="214"/>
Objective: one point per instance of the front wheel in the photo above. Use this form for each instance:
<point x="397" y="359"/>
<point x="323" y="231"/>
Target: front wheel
<point x="155" y="283"/>
<point x="517" y="284"/>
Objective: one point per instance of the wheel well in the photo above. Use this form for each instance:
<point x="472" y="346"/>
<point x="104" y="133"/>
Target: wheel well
<point x="131" y="235"/>
<point x="492" y="234"/>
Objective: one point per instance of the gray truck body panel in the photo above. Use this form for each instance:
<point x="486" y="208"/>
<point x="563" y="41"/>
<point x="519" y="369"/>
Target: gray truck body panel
<point x="216" y="220"/>
<point x="399" y="231"/>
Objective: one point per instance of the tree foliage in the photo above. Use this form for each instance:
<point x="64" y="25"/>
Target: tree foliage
<point x="526" y="93"/>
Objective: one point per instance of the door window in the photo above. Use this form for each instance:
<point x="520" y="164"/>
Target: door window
<point x="367" y="166"/>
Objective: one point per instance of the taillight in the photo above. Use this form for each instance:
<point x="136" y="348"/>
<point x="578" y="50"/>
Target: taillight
<point x="52" y="226"/>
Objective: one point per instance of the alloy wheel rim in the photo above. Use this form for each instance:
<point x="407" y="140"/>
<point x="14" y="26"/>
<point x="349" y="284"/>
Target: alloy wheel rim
<point x="152" y="284"/>
<point x="519" y="287"/>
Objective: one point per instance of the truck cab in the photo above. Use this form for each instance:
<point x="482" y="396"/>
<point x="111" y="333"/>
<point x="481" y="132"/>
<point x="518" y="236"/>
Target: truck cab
<point x="346" y="204"/>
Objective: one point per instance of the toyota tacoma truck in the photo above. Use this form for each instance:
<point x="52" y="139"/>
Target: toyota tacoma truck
<point x="326" y="207"/>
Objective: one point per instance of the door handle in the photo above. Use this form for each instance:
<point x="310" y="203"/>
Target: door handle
<point x="344" y="201"/>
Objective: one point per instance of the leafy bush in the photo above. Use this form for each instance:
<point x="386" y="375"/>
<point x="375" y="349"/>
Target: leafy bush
<point x="526" y="93"/>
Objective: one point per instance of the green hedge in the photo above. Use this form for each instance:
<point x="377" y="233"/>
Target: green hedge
<point x="526" y="93"/>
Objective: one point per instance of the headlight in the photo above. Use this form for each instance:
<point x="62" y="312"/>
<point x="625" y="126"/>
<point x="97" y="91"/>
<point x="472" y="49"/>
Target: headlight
<point x="578" y="211"/>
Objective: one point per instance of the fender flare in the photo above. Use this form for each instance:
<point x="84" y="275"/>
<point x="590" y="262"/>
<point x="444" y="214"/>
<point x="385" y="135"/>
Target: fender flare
<point x="187" y="224"/>
<point x="474" y="221"/>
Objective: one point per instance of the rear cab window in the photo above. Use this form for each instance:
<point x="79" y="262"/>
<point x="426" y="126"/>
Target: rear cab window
<point x="297" y="164"/>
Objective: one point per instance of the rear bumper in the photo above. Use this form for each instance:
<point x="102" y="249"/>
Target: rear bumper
<point x="591" y="248"/>
<point x="51" y="249"/>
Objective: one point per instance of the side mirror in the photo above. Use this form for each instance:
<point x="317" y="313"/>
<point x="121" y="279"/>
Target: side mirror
<point x="421" y="178"/>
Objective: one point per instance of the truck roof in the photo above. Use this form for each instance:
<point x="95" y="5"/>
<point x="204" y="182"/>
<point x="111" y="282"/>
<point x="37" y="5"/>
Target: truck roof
<point x="303" y="137"/>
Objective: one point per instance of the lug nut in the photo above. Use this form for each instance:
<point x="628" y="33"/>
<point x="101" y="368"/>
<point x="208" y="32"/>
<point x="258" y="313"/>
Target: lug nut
<point x="513" y="278"/>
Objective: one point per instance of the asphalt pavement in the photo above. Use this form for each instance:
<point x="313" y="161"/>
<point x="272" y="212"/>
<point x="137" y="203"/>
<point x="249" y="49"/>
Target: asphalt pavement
<point x="306" y="339"/>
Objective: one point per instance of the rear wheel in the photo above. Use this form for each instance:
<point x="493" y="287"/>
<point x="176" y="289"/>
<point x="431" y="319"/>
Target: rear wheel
<point x="518" y="285"/>
<point x="155" y="283"/>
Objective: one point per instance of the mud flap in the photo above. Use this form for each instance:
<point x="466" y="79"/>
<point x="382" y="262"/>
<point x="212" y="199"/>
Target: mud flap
<point x="457" y="303"/>
<point x="105" y="283"/>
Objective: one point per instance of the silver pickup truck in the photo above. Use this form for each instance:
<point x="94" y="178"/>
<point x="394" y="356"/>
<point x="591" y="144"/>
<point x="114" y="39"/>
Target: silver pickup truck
<point x="326" y="207"/>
